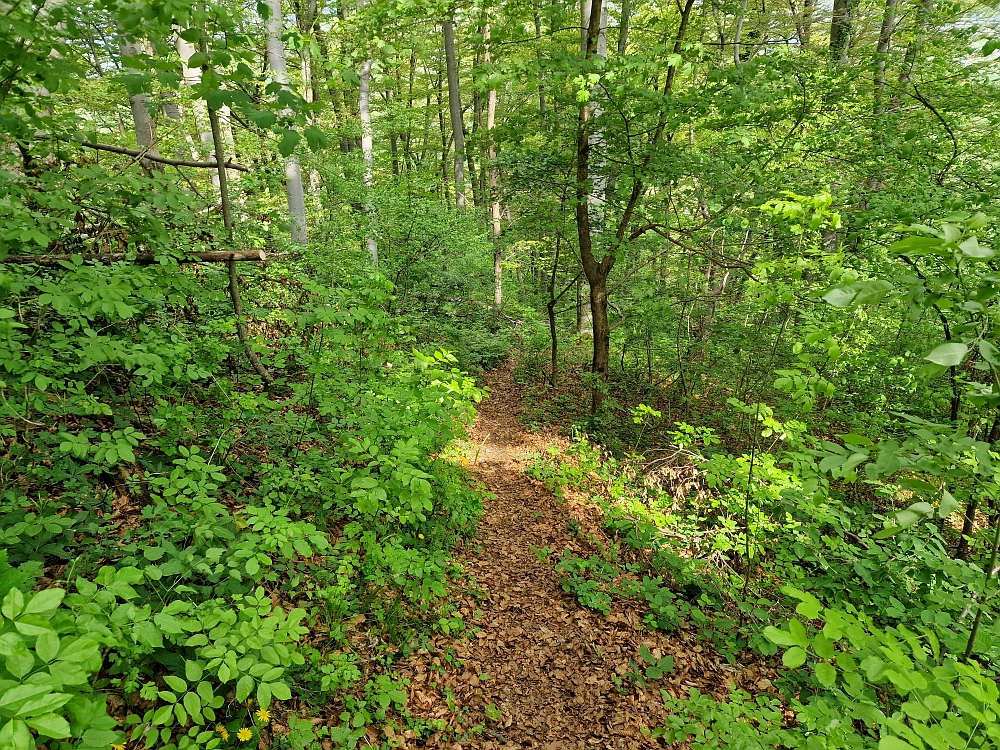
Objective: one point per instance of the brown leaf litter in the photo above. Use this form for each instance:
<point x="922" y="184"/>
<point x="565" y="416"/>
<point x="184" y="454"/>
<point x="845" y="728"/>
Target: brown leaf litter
<point x="539" y="669"/>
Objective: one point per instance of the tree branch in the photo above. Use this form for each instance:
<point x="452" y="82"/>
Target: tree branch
<point x="160" y="159"/>
<point x="210" y="256"/>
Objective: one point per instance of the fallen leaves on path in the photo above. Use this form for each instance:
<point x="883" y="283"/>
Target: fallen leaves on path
<point x="539" y="671"/>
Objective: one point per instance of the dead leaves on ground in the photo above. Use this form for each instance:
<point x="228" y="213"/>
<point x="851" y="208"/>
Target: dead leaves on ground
<point x="540" y="671"/>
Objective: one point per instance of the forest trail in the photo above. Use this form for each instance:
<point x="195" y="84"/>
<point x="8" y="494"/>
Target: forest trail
<point x="542" y="663"/>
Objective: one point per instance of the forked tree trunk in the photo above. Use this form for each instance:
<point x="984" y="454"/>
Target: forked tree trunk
<point x="598" y="265"/>
<point x="293" y="171"/>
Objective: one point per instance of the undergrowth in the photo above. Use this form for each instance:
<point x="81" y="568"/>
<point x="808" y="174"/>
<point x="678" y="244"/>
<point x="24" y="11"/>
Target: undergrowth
<point x="191" y="561"/>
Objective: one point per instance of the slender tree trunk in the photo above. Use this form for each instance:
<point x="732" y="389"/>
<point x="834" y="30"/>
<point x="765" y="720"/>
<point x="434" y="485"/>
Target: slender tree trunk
<point x="407" y="149"/>
<point x="538" y="56"/>
<point x="596" y="273"/>
<point x="142" y="109"/>
<point x="738" y="35"/>
<point x="882" y="53"/>
<point x="234" y="279"/>
<point x="455" y="110"/>
<point x="192" y="78"/>
<point x="367" y="150"/>
<point x="623" y="24"/>
<point x="491" y="114"/>
<point x="444" y="136"/>
<point x="293" y="172"/>
<point x="914" y="48"/>
<point x="551" y="310"/>
<point x="803" y="21"/>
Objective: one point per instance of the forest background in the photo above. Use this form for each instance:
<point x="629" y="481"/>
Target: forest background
<point x="740" y="252"/>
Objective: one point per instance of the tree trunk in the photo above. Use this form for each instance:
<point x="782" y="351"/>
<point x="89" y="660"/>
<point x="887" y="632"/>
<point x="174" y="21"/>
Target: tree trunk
<point x="914" y="48"/>
<point x="968" y="528"/>
<point x="444" y="136"/>
<point x="491" y="114"/>
<point x="623" y="25"/>
<point x="142" y="109"/>
<point x="367" y="150"/>
<point x="596" y="271"/>
<point x="841" y="29"/>
<point x="293" y="172"/>
<point x="192" y="78"/>
<point x="551" y="310"/>
<point x="882" y="53"/>
<point x="234" y="279"/>
<point x="738" y="35"/>
<point x="538" y="56"/>
<point x="803" y="21"/>
<point x="455" y="110"/>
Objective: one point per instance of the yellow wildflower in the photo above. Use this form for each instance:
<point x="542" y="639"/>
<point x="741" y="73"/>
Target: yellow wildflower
<point x="223" y="732"/>
<point x="244" y="734"/>
<point x="117" y="747"/>
<point x="263" y="715"/>
<point x="420" y="536"/>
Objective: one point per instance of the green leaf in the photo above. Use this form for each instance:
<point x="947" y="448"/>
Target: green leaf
<point x="840" y="297"/>
<point x="909" y="516"/>
<point x="826" y="674"/>
<point x="794" y="657"/>
<point x="316" y="138"/>
<point x="972" y="249"/>
<point x="948" y="355"/>
<point x="798" y="631"/>
<point x="280" y="691"/>
<point x="175" y="683"/>
<point x="989" y="352"/>
<point x="193" y="670"/>
<point x="47" y="646"/>
<point x="15" y="735"/>
<point x="13" y="604"/>
<point x="262" y="118"/>
<point x="50" y="725"/>
<point x="243" y="688"/>
<point x="916" y="710"/>
<point x="823" y="647"/>
<point x="779" y="637"/>
<point x="193" y="705"/>
<point x="264" y="695"/>
<point x="948" y="504"/>
<point x="289" y="140"/>
<point x="646" y="654"/>
<point x="894" y="743"/>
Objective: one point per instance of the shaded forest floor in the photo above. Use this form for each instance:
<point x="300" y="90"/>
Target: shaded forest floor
<point x="539" y="670"/>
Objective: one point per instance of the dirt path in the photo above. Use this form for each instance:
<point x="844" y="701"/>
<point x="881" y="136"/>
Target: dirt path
<point x="541" y="663"/>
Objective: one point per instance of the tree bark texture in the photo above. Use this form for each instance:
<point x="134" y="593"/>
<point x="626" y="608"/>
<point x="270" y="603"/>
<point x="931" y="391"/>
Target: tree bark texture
<point x="455" y="110"/>
<point x="293" y="172"/>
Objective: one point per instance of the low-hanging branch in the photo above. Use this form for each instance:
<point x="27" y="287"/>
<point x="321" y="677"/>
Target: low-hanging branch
<point x="160" y="159"/>
<point x="208" y="256"/>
